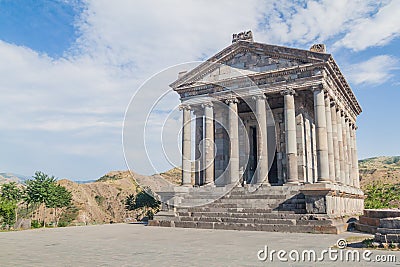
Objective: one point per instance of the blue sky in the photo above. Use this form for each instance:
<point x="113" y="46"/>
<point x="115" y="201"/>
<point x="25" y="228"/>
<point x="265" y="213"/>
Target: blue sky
<point x="68" y="68"/>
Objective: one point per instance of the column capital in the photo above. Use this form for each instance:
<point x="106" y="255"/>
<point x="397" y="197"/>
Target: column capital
<point x="288" y="91"/>
<point x="207" y="105"/>
<point x="259" y="96"/>
<point x="318" y="87"/>
<point x="333" y="104"/>
<point x="185" y="107"/>
<point x="231" y="100"/>
<point x="198" y="110"/>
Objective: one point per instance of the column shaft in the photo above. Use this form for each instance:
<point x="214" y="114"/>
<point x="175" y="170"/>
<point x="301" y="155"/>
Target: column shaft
<point x="335" y="143"/>
<point x="209" y="143"/>
<point x="345" y="152"/>
<point x="290" y="136"/>
<point x="329" y="133"/>
<point x="350" y="153"/>
<point x="262" y="139"/>
<point x="233" y="128"/>
<point x="199" y="148"/>
<point x="341" y="147"/>
<point x="186" y="147"/>
<point x="355" y="160"/>
<point x="322" y="139"/>
<point x="309" y="151"/>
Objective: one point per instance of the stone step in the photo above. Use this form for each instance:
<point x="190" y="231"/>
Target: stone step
<point x="254" y="200"/>
<point x="239" y="220"/>
<point x="366" y="228"/>
<point x="331" y="229"/>
<point x="264" y="192"/>
<point x="263" y="196"/>
<point x="226" y="210"/>
<point x="269" y="215"/>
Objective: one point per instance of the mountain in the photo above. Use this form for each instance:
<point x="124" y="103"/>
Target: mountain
<point x="12" y="177"/>
<point x="380" y="169"/>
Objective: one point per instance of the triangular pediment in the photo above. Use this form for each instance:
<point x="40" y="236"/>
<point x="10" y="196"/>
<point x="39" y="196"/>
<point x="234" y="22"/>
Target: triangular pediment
<point x="244" y="58"/>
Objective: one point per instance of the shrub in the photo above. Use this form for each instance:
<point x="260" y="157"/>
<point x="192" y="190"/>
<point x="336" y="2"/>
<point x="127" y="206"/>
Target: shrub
<point x="68" y="216"/>
<point x="380" y="196"/>
<point x="36" y="224"/>
<point x="99" y="199"/>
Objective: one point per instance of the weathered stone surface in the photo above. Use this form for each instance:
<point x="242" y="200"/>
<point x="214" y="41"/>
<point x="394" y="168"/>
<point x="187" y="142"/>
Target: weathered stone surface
<point x="392" y="223"/>
<point x="316" y="204"/>
<point x="369" y="221"/>
<point x="379" y="213"/>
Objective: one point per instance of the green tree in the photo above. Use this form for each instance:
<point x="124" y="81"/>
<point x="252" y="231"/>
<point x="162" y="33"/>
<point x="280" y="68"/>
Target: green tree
<point x="130" y="202"/>
<point x="10" y="195"/>
<point x="143" y="201"/>
<point x="10" y="191"/>
<point x="39" y="190"/>
<point x="7" y="211"/>
<point x="59" y="197"/>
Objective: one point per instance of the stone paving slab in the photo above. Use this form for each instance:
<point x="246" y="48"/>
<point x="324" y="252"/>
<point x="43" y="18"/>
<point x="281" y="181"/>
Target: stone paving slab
<point x="139" y="245"/>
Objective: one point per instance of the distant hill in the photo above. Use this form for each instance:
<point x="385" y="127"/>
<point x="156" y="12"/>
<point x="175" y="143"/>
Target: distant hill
<point x="383" y="169"/>
<point x="12" y="177"/>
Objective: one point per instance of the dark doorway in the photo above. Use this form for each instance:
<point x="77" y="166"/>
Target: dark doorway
<point x="273" y="172"/>
<point x="252" y="164"/>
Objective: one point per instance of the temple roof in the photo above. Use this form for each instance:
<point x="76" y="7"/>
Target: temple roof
<point x="273" y="58"/>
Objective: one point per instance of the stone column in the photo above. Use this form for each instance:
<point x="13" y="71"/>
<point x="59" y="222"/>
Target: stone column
<point x="322" y="139"/>
<point x="355" y="159"/>
<point x="345" y="151"/>
<point x="335" y="142"/>
<point x="329" y="133"/>
<point x="290" y="136"/>
<point x="198" y="149"/>
<point x="314" y="153"/>
<point x="209" y="143"/>
<point x="350" y="152"/>
<point x="301" y="148"/>
<point x="341" y="148"/>
<point x="262" y="139"/>
<point x="233" y="132"/>
<point x="309" y="151"/>
<point x="186" y="146"/>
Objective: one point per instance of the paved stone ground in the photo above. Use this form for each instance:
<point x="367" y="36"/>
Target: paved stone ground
<point x="138" y="245"/>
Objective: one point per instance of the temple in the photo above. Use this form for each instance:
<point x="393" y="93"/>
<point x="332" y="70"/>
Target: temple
<point x="267" y="121"/>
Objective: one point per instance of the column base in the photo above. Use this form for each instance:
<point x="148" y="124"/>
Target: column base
<point x="209" y="184"/>
<point x="293" y="183"/>
<point x="324" y="182"/>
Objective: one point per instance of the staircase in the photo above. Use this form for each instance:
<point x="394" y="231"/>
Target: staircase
<point x="272" y="209"/>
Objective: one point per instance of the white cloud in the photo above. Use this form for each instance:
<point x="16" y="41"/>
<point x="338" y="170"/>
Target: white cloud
<point x="376" y="70"/>
<point x="354" y="24"/>
<point x="81" y="97"/>
<point x="377" y="30"/>
<point x="306" y="22"/>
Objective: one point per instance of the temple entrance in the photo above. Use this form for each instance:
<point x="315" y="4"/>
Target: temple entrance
<point x="273" y="171"/>
<point x="252" y="164"/>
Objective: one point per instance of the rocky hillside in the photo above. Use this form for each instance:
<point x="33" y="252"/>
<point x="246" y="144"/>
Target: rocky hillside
<point x="382" y="169"/>
<point x="103" y="201"/>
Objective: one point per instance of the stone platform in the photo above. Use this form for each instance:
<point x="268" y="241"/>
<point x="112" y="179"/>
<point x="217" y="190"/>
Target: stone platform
<point x="384" y="223"/>
<point x="270" y="208"/>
